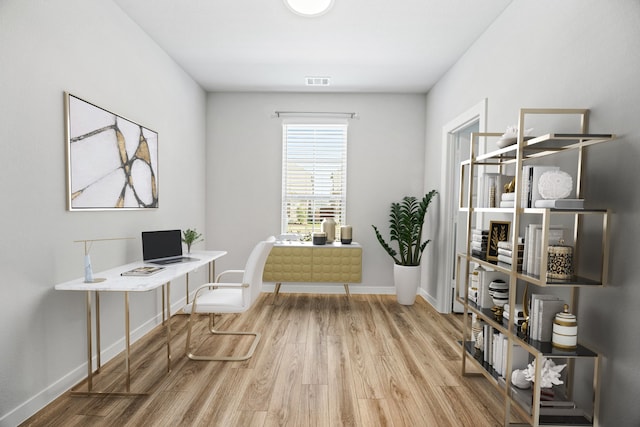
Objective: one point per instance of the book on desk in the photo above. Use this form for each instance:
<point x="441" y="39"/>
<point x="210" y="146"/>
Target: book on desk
<point x="142" y="271"/>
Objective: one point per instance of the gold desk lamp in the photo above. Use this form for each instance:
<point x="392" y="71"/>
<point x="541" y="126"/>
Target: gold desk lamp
<point x="88" y="272"/>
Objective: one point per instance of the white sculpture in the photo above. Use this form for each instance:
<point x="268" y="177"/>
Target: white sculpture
<point x="519" y="379"/>
<point x="549" y="374"/>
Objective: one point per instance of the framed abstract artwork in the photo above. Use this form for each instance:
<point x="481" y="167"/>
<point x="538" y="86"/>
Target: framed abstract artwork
<point x="112" y="162"/>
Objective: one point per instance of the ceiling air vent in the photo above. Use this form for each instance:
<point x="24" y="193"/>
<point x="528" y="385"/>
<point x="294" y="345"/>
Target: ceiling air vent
<point x="318" y="81"/>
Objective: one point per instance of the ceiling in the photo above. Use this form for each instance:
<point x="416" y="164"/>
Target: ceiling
<point x="363" y="45"/>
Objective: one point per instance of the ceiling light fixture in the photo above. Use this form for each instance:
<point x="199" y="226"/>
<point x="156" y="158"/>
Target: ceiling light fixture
<point x="309" y="8"/>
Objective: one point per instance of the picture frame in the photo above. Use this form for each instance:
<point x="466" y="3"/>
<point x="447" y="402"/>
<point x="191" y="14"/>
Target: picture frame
<point x="498" y="232"/>
<point x="112" y="162"/>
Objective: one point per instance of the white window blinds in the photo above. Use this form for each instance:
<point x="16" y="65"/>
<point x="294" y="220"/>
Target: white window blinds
<point x="314" y="176"/>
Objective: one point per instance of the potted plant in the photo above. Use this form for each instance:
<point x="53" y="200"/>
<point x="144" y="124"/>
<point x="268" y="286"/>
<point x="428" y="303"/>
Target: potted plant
<point x="190" y="237"/>
<point x="406" y="221"/>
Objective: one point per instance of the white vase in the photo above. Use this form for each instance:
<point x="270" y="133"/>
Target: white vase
<point x="329" y="226"/>
<point x="407" y="280"/>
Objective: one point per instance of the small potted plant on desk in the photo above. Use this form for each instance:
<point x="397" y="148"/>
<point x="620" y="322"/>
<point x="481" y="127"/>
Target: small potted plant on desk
<point x="406" y="221"/>
<point x="190" y="237"/>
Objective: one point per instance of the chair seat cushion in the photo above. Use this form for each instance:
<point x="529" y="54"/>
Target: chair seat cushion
<point x="219" y="300"/>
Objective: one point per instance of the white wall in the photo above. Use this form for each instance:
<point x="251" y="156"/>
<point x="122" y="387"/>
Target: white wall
<point x="244" y="161"/>
<point x="538" y="54"/>
<point x="583" y="54"/>
<point x="91" y="49"/>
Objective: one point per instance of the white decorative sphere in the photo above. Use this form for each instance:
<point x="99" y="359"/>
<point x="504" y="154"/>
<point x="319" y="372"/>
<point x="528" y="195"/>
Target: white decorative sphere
<point x="555" y="185"/>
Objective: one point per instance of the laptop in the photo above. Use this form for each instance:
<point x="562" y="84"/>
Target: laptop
<point x="163" y="247"/>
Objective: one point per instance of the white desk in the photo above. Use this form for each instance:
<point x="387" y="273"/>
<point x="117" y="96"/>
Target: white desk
<point x="114" y="282"/>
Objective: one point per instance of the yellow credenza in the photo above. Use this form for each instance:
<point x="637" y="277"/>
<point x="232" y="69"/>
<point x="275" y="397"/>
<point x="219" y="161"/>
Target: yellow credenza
<point x="305" y="262"/>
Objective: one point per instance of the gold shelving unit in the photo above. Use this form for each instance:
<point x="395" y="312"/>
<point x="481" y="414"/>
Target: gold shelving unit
<point x="536" y="150"/>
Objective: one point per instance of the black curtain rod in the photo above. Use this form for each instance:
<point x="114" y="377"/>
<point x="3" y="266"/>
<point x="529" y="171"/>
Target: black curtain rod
<point x="316" y="114"/>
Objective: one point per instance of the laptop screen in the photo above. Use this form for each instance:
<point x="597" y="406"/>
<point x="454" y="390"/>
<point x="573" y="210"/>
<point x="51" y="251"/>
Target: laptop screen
<point x="161" y="244"/>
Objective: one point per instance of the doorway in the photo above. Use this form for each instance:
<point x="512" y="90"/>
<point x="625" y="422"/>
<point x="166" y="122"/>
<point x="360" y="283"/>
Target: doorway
<point x="460" y="146"/>
<point x="456" y="137"/>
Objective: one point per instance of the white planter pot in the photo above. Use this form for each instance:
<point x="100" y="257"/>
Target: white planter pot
<point x="407" y="280"/>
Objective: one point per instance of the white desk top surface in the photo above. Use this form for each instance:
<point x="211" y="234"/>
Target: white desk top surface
<point x="115" y="282"/>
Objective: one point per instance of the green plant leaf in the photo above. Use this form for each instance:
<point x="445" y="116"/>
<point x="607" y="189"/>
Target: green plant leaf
<point x="406" y="222"/>
<point x="191" y="236"/>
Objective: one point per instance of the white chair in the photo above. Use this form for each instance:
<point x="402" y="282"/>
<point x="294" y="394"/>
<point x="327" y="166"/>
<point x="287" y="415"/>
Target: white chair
<point x="230" y="297"/>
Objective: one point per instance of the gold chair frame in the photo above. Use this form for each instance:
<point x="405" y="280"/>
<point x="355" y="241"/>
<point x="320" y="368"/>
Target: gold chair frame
<point x="213" y="331"/>
<point x="250" y="288"/>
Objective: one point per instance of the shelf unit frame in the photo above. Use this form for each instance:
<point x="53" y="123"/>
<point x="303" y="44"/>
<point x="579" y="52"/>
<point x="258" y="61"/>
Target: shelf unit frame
<point x="522" y="151"/>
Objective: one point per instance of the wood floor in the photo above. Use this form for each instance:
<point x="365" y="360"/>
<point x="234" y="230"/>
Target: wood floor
<point x="324" y="360"/>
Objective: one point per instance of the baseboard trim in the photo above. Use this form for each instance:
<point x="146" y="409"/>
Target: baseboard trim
<point x="428" y="298"/>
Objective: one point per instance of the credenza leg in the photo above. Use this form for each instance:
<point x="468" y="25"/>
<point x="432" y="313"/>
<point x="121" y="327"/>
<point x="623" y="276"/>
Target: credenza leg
<point x="346" y="289"/>
<point x="277" y="291"/>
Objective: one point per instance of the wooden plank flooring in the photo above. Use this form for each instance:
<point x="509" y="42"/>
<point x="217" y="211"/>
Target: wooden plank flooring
<point x="324" y="360"/>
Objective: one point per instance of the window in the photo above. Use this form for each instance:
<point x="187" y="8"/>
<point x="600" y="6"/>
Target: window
<point x="314" y="176"/>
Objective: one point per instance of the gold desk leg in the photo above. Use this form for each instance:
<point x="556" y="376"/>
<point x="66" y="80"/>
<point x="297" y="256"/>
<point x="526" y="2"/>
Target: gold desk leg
<point x="127" y="392"/>
<point x="98" y="349"/>
<point x="186" y="285"/>
<point x="346" y="289"/>
<point x="89" y="339"/>
<point x="163" y="305"/>
<point x="90" y="391"/>
<point x="168" y="286"/>
<point x="212" y="271"/>
<point x="128" y="341"/>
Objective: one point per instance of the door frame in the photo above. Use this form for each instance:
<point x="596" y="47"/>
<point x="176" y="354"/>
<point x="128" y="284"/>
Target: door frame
<point x="477" y="113"/>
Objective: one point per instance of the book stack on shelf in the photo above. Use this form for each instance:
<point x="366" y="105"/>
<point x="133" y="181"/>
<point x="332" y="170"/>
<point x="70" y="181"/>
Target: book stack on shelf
<point x="543" y="310"/>
<point x="532" y="250"/>
<point x="518" y="313"/>
<point x="505" y="253"/>
<point x="508" y="200"/>
<point x="474" y="285"/>
<point x="479" y="240"/>
<point x="494" y="352"/>
<point x="560" y="203"/>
